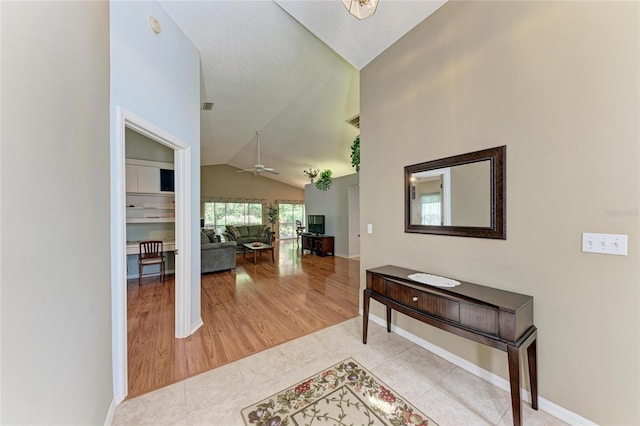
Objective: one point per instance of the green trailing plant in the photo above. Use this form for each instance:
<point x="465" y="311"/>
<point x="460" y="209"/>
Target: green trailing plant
<point x="324" y="181"/>
<point x="355" y="153"/>
<point x="272" y="214"/>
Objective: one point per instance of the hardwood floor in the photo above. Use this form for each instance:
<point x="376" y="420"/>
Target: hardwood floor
<point x="244" y="312"/>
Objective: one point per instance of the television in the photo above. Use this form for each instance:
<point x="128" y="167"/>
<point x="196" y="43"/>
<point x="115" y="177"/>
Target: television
<point x="166" y="180"/>
<point x="315" y="224"/>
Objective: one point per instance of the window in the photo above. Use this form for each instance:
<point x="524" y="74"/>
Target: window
<point x="217" y="215"/>
<point x="431" y="208"/>
<point x="288" y="214"/>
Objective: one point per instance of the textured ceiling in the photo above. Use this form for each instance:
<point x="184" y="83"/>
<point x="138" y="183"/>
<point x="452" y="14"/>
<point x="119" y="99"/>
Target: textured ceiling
<point x="290" y="70"/>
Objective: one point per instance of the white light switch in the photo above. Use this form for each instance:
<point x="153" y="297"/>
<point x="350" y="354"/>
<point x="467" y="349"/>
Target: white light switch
<point x="369" y="228"/>
<point x="604" y="243"/>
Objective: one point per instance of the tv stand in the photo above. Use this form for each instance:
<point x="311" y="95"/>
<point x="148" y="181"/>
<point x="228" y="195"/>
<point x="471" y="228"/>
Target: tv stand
<point x="320" y="244"/>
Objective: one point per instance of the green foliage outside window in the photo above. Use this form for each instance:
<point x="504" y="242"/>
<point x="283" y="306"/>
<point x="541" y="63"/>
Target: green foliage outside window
<point x="218" y="215"/>
<point x="289" y="213"/>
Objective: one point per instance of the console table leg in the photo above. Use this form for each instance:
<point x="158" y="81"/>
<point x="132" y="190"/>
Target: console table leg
<point x="514" y="380"/>
<point x="388" y="319"/>
<point x="365" y="316"/>
<point x="533" y="374"/>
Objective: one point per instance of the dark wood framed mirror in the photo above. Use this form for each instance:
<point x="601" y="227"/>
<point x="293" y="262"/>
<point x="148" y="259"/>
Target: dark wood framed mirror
<point x="463" y="195"/>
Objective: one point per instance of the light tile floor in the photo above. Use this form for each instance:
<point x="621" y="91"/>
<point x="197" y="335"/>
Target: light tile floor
<point x="446" y="393"/>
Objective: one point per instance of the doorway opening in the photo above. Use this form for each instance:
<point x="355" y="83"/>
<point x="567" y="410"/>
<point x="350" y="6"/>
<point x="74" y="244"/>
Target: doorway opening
<point x="150" y="206"/>
<point x="182" y="183"/>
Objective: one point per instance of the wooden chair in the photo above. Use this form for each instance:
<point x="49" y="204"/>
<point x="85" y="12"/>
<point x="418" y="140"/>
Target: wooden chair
<point x="299" y="230"/>
<point x="151" y="253"/>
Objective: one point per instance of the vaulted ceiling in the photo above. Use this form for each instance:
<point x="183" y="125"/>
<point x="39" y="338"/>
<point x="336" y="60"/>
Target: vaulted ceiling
<point x="289" y="69"/>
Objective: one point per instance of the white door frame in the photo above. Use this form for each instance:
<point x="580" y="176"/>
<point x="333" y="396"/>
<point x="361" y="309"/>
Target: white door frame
<point x="445" y="176"/>
<point x="182" y="164"/>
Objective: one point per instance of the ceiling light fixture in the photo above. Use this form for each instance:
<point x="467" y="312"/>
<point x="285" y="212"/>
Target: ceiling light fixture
<point x="361" y="8"/>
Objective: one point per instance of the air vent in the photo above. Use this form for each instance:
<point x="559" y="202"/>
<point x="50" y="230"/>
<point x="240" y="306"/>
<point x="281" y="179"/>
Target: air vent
<point x="207" y="106"/>
<point x="354" y="121"/>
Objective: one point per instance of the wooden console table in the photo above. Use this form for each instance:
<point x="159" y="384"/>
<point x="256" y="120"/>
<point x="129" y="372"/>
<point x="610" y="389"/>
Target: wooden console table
<point x="493" y="317"/>
<point x="320" y="244"/>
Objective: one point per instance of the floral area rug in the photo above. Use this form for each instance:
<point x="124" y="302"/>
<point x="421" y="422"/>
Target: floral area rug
<point x="345" y="394"/>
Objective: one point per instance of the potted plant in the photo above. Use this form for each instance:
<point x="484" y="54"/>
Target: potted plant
<point x="272" y="214"/>
<point x="324" y="181"/>
<point x="355" y="154"/>
<point x="311" y="173"/>
<point x="272" y="218"/>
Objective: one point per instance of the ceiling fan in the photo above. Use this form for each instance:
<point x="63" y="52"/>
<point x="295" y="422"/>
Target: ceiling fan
<point x="258" y="168"/>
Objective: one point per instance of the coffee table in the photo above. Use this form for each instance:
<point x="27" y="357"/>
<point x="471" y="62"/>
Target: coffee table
<point x="255" y="249"/>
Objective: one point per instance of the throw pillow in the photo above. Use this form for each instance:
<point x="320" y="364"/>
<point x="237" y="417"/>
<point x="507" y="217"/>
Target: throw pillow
<point x="204" y="238"/>
<point x="233" y="231"/>
<point x="244" y="231"/>
<point x="211" y="234"/>
<point x="263" y="231"/>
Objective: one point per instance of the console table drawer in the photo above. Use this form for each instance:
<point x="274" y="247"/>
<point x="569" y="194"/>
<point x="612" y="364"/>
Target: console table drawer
<point x="481" y="318"/>
<point x="429" y="303"/>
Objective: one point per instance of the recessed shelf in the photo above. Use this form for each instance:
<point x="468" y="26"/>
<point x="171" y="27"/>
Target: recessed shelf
<point x="150" y="219"/>
<point x="150" y="208"/>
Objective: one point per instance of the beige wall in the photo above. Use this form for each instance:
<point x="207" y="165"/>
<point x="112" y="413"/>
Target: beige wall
<point x="224" y="181"/>
<point x="56" y="294"/>
<point x="558" y="83"/>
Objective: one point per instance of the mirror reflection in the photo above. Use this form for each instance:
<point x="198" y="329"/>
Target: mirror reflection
<point x="461" y="195"/>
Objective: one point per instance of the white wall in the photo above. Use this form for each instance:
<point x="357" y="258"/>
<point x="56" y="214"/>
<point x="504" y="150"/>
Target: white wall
<point x="558" y="83"/>
<point x="334" y="205"/>
<point x="157" y="77"/>
<point x="55" y="276"/>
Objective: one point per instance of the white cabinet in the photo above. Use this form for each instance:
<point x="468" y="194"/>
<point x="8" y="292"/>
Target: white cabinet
<point x="148" y="179"/>
<point x="146" y="203"/>
<point x="144" y="176"/>
<point x="132" y="178"/>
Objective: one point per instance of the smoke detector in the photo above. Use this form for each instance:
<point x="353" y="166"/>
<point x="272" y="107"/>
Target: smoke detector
<point x="155" y="25"/>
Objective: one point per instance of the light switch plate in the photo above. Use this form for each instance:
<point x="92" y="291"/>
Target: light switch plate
<point x="369" y="228"/>
<point x="604" y="243"/>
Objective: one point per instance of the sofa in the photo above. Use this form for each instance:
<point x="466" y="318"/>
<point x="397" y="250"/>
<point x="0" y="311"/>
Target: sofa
<point x="248" y="234"/>
<point x="214" y="254"/>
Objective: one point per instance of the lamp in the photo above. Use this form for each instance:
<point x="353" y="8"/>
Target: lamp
<point x="361" y="8"/>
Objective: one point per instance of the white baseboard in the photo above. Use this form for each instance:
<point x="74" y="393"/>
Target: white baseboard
<point x="196" y="326"/>
<point x="167" y="272"/>
<point x="543" y="404"/>
<point x="347" y="256"/>
<point x="112" y="411"/>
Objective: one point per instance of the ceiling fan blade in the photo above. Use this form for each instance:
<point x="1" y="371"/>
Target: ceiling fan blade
<point x="258" y="167"/>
